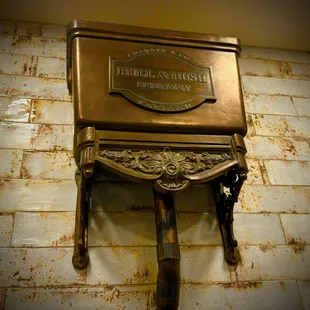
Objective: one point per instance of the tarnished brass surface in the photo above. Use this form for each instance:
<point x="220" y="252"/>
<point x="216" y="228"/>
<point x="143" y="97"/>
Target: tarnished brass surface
<point x="214" y="104"/>
<point x="160" y="107"/>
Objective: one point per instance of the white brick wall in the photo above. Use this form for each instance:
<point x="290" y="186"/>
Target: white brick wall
<point x="38" y="192"/>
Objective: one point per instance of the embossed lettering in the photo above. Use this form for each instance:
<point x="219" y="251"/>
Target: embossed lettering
<point x="169" y="71"/>
<point x="164" y="86"/>
<point x="161" y="74"/>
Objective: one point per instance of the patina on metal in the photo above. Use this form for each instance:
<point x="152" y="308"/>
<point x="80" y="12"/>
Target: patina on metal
<point x="160" y="107"/>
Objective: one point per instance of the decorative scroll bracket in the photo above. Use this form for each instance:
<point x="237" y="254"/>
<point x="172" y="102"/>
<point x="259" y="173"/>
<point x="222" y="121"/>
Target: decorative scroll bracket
<point x="170" y="170"/>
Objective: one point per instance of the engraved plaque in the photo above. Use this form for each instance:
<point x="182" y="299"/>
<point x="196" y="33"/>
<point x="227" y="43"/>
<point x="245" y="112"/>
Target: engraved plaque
<point x="161" y="79"/>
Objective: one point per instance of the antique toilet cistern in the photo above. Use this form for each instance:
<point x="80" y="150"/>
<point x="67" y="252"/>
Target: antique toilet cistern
<point x="160" y="107"/>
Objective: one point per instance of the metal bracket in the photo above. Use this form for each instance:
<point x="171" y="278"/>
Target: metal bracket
<point x="225" y="202"/>
<point x="80" y="257"/>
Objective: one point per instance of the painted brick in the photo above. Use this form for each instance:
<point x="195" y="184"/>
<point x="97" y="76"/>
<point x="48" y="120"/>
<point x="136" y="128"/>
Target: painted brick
<point x="16" y="135"/>
<point x="241" y="296"/>
<point x="288" y="172"/>
<point x="256" y="67"/>
<point x="139" y="197"/>
<point x="302" y="106"/>
<point x="122" y="265"/>
<point x="269" y="68"/>
<point x="14" y="109"/>
<point x="198" y="229"/>
<point x="255" y="172"/>
<point x="138" y="229"/>
<point x="37" y="195"/>
<point x="33" y="87"/>
<point x="11" y="161"/>
<point x="299" y="70"/>
<point x="32" y="46"/>
<point x="277" y="148"/>
<point x="28" y="29"/>
<point x="269" y="125"/>
<point x="48" y="165"/>
<point x="54" y="31"/>
<point x="52" y="112"/>
<point x="36" y="136"/>
<point x="43" y="229"/>
<point x="51" y="68"/>
<point x="203" y="264"/>
<point x="258" y="229"/>
<point x="105" y="298"/>
<point x="122" y="229"/>
<point x="269" y="262"/>
<point x="55" y="48"/>
<point x="304" y="289"/>
<point x="52" y="137"/>
<point x="137" y="265"/>
<point x="6" y="43"/>
<point x="275" y="199"/>
<point x="262" y="104"/>
<point x="7" y="26"/>
<point x="296" y="228"/>
<point x="276" y="86"/>
<point x="18" y="64"/>
<point x="38" y="267"/>
<point x="6" y="228"/>
<point x="275" y="54"/>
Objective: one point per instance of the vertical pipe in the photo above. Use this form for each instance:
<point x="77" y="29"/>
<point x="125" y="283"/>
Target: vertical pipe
<point x="168" y="253"/>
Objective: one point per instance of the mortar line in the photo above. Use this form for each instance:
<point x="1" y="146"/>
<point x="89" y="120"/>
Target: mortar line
<point x="34" y="76"/>
<point x="153" y="246"/>
<point x="12" y="232"/>
<point x="2" y="305"/>
<point x="278" y="94"/>
<point x="276" y="60"/>
<point x="279" y="115"/>
<point x="34" y="98"/>
<point x="300" y="296"/>
<point x="282" y="226"/>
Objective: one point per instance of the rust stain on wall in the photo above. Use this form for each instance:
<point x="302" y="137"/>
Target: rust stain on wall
<point x="25" y="173"/>
<point x="141" y="208"/>
<point x="282" y="284"/>
<point x="151" y="300"/>
<point x="302" y="139"/>
<point x="250" y="74"/>
<point x="298" y="245"/>
<point x="241" y="285"/>
<point x="139" y="277"/>
<point x="63" y="240"/>
<point x="285" y="69"/>
<point x="263" y="172"/>
<point x="267" y="247"/>
<point x="20" y="40"/>
<point x="4" y="183"/>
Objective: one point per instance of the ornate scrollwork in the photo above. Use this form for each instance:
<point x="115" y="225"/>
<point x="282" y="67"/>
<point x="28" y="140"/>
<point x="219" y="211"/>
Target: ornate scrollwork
<point x="171" y="167"/>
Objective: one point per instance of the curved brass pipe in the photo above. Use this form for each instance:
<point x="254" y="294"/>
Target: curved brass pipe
<point x="168" y="253"/>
